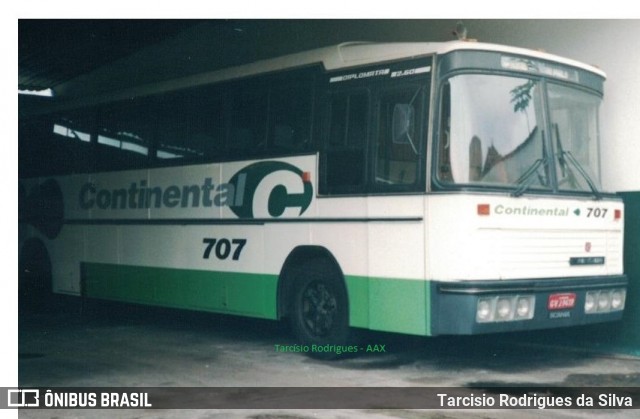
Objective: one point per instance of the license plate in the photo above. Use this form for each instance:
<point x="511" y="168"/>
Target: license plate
<point x="561" y="301"/>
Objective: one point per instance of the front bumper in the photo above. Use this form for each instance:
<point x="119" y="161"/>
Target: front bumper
<point x="454" y="304"/>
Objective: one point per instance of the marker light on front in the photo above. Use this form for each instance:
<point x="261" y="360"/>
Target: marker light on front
<point x="484" y="209"/>
<point x="617" y="214"/>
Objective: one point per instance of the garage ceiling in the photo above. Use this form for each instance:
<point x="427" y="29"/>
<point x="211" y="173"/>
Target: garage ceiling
<point x="76" y="58"/>
<point x="52" y="52"/>
<point x="79" y="57"/>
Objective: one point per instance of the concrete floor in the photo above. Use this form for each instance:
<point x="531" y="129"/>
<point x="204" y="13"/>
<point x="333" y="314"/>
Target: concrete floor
<point x="112" y="344"/>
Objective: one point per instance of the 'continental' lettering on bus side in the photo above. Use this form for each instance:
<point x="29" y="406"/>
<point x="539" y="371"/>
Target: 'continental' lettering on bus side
<point x="280" y="187"/>
<point x="527" y="210"/>
<point x="139" y="196"/>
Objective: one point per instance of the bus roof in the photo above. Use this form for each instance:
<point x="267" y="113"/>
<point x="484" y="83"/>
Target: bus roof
<point x="353" y="54"/>
<point x="356" y="53"/>
<point x="345" y="55"/>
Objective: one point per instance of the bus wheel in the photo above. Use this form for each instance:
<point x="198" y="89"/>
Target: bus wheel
<point x="319" y="310"/>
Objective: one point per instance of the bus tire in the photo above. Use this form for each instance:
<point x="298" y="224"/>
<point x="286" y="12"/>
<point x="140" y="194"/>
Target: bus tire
<point x="319" y="310"/>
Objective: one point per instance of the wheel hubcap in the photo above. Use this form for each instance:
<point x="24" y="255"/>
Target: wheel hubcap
<point x="319" y="308"/>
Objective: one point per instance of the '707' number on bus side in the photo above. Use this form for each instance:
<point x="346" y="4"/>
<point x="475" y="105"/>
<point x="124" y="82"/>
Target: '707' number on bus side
<point x="223" y="248"/>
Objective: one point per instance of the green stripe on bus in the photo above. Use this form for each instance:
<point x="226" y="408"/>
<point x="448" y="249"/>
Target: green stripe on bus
<point x="224" y="292"/>
<point x="390" y="305"/>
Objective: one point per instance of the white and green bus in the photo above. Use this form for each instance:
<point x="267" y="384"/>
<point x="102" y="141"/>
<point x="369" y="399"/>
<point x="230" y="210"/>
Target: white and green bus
<point x="418" y="188"/>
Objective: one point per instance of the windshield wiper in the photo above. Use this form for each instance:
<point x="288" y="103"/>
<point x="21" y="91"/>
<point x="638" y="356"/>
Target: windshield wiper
<point x="527" y="178"/>
<point x="566" y="156"/>
<point x="583" y="173"/>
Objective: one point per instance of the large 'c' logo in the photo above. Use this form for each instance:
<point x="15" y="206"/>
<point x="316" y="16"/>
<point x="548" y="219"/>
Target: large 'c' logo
<point x="271" y="188"/>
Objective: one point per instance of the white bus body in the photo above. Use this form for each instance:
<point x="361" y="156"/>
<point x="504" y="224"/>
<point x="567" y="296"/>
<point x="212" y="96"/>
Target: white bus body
<point x="443" y="189"/>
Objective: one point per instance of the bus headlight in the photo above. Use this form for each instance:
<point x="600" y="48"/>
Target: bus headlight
<point x="590" y="302"/>
<point x="504" y="308"/>
<point x="605" y="301"/>
<point x="524" y="307"/>
<point x="617" y="299"/>
<point x="484" y="310"/>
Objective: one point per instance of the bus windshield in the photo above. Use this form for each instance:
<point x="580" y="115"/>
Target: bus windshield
<point x="493" y="134"/>
<point x="574" y="121"/>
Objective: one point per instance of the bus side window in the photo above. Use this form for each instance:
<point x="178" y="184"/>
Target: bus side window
<point x="398" y="145"/>
<point x="58" y="145"/>
<point x="290" y="119"/>
<point x="125" y="134"/>
<point x="191" y="125"/>
<point x="345" y="150"/>
<point x="248" y="124"/>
